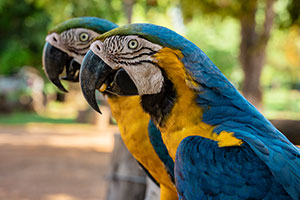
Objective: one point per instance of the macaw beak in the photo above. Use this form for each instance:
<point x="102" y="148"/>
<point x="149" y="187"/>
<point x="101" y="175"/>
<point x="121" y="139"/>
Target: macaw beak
<point x="54" y="61"/>
<point x="72" y="71"/>
<point x="122" y="84"/>
<point x="95" y="72"/>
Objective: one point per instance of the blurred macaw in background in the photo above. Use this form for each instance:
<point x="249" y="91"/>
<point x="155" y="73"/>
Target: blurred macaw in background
<point x="66" y="44"/>
<point x="223" y="147"/>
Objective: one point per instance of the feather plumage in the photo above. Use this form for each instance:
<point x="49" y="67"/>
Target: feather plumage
<point x="261" y="164"/>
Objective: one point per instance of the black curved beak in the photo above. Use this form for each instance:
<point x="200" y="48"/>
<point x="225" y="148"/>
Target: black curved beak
<point x="122" y="84"/>
<point x="92" y="75"/>
<point x="72" y="71"/>
<point x="94" y="72"/>
<point x="54" y="61"/>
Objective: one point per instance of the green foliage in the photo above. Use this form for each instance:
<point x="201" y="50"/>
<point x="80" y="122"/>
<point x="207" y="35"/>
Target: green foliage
<point x="219" y="39"/>
<point x="294" y="11"/>
<point x="14" y="57"/>
<point x="152" y="11"/>
<point x="288" y="13"/>
<point x="23" y="28"/>
<point x="282" y="104"/>
<point x="61" y="10"/>
<point x="23" y="118"/>
<point x="25" y="23"/>
<point x="223" y="8"/>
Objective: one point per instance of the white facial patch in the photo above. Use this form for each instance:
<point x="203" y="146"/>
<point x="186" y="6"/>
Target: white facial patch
<point x="54" y="39"/>
<point x="98" y="48"/>
<point x="70" y="42"/>
<point x="135" y="55"/>
<point x="147" y="78"/>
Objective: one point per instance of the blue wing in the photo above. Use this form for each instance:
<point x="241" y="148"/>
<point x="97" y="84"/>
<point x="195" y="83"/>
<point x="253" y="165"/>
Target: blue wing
<point x="226" y="109"/>
<point x="205" y="171"/>
<point x="281" y="157"/>
<point x="160" y="149"/>
<point x="229" y="111"/>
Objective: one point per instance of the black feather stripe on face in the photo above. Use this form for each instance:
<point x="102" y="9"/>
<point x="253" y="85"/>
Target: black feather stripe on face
<point x="160" y="105"/>
<point x="136" y="56"/>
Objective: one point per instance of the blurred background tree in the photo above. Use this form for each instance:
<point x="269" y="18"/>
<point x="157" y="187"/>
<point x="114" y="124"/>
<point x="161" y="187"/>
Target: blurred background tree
<point x="22" y="33"/>
<point x="24" y="25"/>
<point x="256" y="19"/>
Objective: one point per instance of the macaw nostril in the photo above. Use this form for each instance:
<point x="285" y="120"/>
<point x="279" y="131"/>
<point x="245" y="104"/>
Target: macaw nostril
<point x="98" y="47"/>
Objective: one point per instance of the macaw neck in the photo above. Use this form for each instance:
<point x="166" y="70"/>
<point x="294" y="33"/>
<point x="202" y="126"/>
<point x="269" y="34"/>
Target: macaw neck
<point x="159" y="105"/>
<point x="133" y="125"/>
<point x="175" y="110"/>
<point x="176" y="113"/>
<point x="126" y="110"/>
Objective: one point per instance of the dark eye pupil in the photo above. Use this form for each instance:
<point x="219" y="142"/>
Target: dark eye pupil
<point x="84" y="36"/>
<point x="133" y="44"/>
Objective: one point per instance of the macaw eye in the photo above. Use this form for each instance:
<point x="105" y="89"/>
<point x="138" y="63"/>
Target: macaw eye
<point x="83" y="37"/>
<point x="133" y="44"/>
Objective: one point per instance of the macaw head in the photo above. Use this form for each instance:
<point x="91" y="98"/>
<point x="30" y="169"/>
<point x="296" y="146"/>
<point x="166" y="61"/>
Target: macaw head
<point x="66" y="45"/>
<point x="157" y="60"/>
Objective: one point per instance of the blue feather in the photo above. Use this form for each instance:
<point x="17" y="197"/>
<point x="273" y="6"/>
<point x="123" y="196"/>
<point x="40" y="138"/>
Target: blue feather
<point x="97" y="24"/>
<point x="218" y="95"/>
<point x="274" y="158"/>
<point x="160" y="149"/>
<point x="205" y="171"/>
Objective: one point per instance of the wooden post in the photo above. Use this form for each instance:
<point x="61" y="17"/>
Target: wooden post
<point x="153" y="191"/>
<point x="126" y="178"/>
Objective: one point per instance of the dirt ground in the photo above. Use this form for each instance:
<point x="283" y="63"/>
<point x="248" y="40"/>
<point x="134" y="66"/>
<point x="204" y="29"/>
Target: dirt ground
<point x="54" y="162"/>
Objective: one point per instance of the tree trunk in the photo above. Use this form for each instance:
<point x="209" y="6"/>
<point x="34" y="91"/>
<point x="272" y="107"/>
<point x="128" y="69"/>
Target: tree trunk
<point x="290" y="128"/>
<point x="127" y="181"/>
<point x="128" y="5"/>
<point x="152" y="191"/>
<point x="253" y="49"/>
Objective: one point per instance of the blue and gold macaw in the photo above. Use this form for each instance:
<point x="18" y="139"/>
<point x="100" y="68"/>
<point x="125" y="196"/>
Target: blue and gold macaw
<point x="223" y="147"/>
<point x="66" y="44"/>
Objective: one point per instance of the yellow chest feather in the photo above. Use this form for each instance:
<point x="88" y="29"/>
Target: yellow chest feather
<point x="133" y="124"/>
<point x="185" y="118"/>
